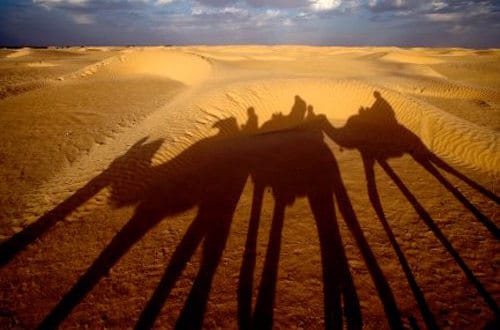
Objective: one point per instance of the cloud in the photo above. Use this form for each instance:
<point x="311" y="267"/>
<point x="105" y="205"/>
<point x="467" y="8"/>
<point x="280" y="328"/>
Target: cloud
<point x="216" y="3"/>
<point x="97" y="4"/>
<point x="444" y="17"/>
<point x="438" y="12"/>
<point x="83" y="19"/>
<point x="277" y="3"/>
<point x="389" y="5"/>
<point x="321" y="5"/>
<point x="405" y="22"/>
<point x="422" y="7"/>
<point x="60" y="3"/>
<point x="234" y="19"/>
<point x="210" y="11"/>
<point x="56" y="2"/>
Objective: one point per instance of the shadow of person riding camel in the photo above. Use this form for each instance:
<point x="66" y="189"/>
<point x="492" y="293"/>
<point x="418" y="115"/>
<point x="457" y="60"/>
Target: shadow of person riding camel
<point x="214" y="184"/>
<point x="377" y="135"/>
<point x="289" y="155"/>
<point x="294" y="160"/>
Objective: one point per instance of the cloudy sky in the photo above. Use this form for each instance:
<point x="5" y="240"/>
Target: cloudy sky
<point x="316" y="22"/>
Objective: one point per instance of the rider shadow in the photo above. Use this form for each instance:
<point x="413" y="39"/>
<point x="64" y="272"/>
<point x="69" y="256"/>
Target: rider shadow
<point x="297" y="163"/>
<point x="294" y="161"/>
<point x="377" y="135"/>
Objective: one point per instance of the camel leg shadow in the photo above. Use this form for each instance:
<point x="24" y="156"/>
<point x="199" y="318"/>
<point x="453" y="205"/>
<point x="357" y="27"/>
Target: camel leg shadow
<point x="245" y="287"/>
<point x="337" y="278"/>
<point x="28" y="235"/>
<point x="445" y="166"/>
<point x="425" y="216"/>
<point x="182" y="254"/>
<point x="429" y="162"/>
<point x="143" y="220"/>
<point x="212" y="224"/>
<point x="369" y="163"/>
<point x="263" y="315"/>
<point x="142" y="152"/>
<point x="384" y="290"/>
<point x="213" y="246"/>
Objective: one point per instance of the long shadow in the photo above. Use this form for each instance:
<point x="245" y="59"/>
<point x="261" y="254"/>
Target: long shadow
<point x="213" y="184"/>
<point x="294" y="162"/>
<point x="272" y="159"/>
<point x="297" y="162"/>
<point x="287" y="154"/>
<point x="378" y="136"/>
<point x="133" y="163"/>
<point x="377" y="205"/>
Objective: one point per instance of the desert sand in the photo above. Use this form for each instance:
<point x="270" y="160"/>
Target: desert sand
<point x="289" y="187"/>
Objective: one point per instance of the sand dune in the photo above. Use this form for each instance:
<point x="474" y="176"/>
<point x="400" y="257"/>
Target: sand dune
<point x="152" y="62"/>
<point x="19" y="53"/>
<point x="43" y="67"/>
<point x="408" y="57"/>
<point x="93" y="136"/>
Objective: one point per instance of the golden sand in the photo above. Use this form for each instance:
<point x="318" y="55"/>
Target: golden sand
<point x="90" y="138"/>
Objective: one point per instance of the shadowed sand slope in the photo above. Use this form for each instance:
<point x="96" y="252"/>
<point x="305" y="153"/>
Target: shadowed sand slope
<point x="250" y="187"/>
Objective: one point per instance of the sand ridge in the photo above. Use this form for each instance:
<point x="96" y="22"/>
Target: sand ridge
<point x="152" y="62"/>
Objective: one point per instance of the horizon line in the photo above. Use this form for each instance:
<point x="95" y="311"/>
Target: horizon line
<point x="34" y="46"/>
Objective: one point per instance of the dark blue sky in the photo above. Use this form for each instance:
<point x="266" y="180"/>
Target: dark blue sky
<point x="316" y="22"/>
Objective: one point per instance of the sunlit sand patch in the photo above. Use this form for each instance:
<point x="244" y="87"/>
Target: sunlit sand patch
<point x="152" y="62"/>
<point x="406" y="57"/>
<point x="19" y="53"/>
<point x="40" y="64"/>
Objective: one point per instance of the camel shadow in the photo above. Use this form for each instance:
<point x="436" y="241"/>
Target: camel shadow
<point x="214" y="186"/>
<point x="377" y="135"/>
<point x="293" y="161"/>
<point x="211" y="183"/>
<point x="288" y="154"/>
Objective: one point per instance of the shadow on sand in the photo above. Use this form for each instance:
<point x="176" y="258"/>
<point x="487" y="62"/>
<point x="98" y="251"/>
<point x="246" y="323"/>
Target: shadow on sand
<point x="288" y="154"/>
